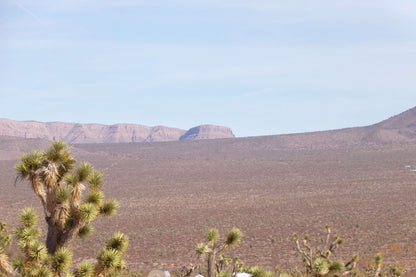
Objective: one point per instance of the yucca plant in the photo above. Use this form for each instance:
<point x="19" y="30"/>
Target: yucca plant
<point x="378" y="262"/>
<point x="69" y="212"/>
<point x="318" y="261"/>
<point x="60" y="187"/>
<point x="212" y="247"/>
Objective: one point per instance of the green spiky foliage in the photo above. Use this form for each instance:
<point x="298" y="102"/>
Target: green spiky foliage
<point x="318" y="261"/>
<point x="378" y="262"/>
<point x="5" y="241"/>
<point x="61" y="187"/>
<point x="111" y="259"/>
<point x="36" y="260"/>
<point x="85" y="269"/>
<point x="214" y="246"/>
<point x="257" y="271"/>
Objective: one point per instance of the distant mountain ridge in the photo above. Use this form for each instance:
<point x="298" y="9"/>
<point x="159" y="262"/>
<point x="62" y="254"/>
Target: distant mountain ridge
<point x="100" y="133"/>
<point x="400" y="128"/>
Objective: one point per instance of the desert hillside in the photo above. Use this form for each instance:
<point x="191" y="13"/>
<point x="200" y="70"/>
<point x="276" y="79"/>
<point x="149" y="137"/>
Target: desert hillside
<point x="99" y="133"/>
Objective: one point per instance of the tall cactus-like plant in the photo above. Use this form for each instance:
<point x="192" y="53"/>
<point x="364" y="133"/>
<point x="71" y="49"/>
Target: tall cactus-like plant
<point x="318" y="260"/>
<point x="214" y="246"/>
<point x="71" y="196"/>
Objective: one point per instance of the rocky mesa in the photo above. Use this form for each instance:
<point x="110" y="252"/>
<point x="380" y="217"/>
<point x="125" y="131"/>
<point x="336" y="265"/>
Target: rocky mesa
<point x="207" y="132"/>
<point x="100" y="133"/>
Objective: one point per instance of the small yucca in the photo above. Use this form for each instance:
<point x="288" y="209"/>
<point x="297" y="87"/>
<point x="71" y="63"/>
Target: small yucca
<point x="118" y="242"/>
<point x="224" y="273"/>
<point x="212" y="235"/>
<point x="61" y="260"/>
<point x="110" y="259"/>
<point x="234" y="237"/>
<point x="28" y="217"/>
<point x="95" y="197"/>
<point x="335" y="268"/>
<point x="201" y="249"/>
<point x="88" y="212"/>
<point x="26" y="236"/>
<point x="321" y="266"/>
<point x="85" y="269"/>
<point x="86" y="231"/>
<point x="378" y="259"/>
<point x="37" y="251"/>
<point x="43" y="272"/>
<point x="95" y="179"/>
<point x="109" y="207"/>
<point x="62" y="195"/>
<point x="84" y="171"/>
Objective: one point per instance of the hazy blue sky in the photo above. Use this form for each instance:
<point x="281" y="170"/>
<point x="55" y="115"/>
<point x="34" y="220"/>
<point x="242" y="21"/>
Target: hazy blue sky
<point x="260" y="67"/>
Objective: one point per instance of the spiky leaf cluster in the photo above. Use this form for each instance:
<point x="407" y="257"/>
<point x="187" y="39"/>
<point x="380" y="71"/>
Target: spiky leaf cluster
<point x="5" y="237"/>
<point x="5" y="241"/>
<point x="111" y="259"/>
<point x="28" y="233"/>
<point x="212" y="235"/>
<point x="234" y="237"/>
<point x="85" y="269"/>
<point x="257" y="271"/>
<point x="36" y="261"/>
<point x="61" y="260"/>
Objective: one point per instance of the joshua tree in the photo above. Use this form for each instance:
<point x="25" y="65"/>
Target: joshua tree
<point x="68" y="214"/>
<point x="318" y="261"/>
<point x="213" y="247"/>
<point x="60" y="186"/>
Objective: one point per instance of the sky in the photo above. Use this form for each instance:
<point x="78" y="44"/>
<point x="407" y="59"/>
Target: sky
<point x="261" y="67"/>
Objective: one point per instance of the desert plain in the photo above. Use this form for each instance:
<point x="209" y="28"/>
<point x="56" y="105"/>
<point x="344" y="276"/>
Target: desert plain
<point x="170" y="193"/>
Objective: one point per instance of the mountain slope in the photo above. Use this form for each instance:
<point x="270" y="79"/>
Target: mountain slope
<point x="94" y="133"/>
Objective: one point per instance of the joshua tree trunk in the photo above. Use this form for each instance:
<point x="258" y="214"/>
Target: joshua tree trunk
<point x="52" y="238"/>
<point x="211" y="264"/>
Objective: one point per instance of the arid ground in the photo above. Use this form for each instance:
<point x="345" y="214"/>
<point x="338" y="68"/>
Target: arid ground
<point x="172" y="192"/>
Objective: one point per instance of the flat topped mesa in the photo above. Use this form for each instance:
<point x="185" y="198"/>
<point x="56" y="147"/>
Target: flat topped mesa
<point x="207" y="132"/>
